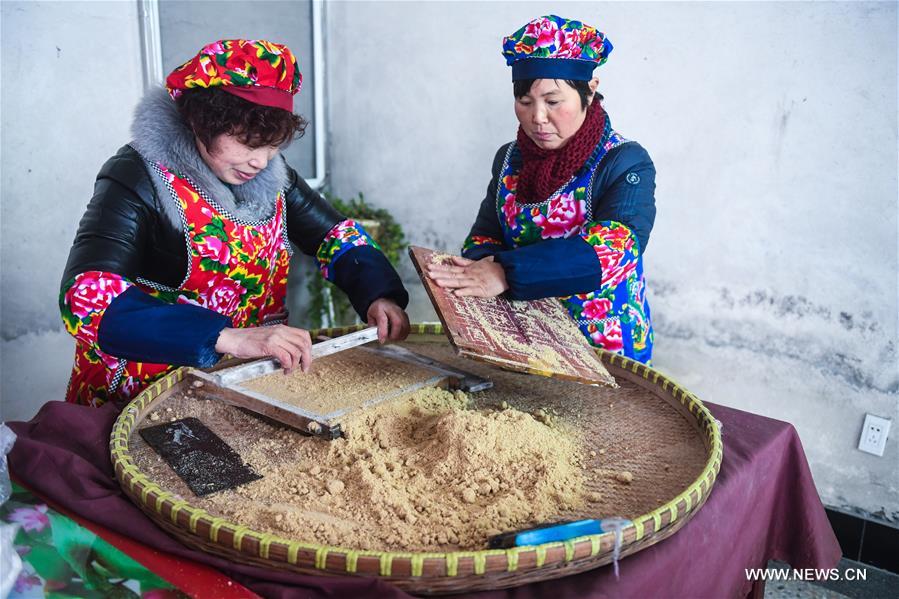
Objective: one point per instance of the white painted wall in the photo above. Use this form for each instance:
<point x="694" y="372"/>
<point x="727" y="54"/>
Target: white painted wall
<point x="71" y="77"/>
<point x="70" y="74"/>
<point x="773" y="126"/>
<point x="773" y="265"/>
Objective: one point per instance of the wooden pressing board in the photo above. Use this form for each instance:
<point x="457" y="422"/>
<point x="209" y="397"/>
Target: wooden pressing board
<point x="538" y="336"/>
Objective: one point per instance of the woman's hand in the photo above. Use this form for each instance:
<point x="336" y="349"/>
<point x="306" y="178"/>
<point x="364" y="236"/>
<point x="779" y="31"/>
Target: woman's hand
<point x="289" y="345"/>
<point x="391" y="320"/>
<point x="464" y="277"/>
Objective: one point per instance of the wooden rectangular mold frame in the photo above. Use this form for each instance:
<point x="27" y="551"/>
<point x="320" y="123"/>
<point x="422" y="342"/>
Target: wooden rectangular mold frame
<point x="244" y="371"/>
<point x="537" y="336"/>
<point x="224" y="385"/>
<point x="206" y="386"/>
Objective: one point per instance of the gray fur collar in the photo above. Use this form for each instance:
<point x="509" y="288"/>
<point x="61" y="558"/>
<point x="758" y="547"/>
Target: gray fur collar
<point x="160" y="136"/>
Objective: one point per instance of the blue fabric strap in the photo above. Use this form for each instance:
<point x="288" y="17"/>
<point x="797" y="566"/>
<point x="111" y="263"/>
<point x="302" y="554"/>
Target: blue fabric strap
<point x="137" y="326"/>
<point x="570" y="69"/>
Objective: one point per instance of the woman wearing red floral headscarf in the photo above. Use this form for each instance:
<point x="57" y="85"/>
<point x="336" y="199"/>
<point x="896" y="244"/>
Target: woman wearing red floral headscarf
<point x="570" y="207"/>
<point x="183" y="251"/>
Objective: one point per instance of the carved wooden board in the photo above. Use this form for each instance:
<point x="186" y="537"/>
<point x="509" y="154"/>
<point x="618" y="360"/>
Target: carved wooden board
<point x="538" y="336"/>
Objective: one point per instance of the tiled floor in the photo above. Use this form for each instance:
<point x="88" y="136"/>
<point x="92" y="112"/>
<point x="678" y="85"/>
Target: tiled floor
<point x="878" y="584"/>
<point x="799" y="590"/>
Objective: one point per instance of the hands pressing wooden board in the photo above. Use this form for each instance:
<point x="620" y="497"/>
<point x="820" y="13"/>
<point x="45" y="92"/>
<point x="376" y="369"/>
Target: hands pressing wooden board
<point x="537" y="336"/>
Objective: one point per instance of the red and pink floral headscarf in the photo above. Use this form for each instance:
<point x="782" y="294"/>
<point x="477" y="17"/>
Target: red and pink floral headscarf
<point x="256" y="70"/>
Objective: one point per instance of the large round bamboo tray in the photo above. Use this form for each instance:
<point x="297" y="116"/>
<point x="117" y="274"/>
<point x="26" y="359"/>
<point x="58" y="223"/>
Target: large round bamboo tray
<point x="419" y="572"/>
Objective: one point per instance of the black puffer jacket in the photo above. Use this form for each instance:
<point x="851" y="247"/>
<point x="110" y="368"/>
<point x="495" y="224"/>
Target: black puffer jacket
<point x="126" y="229"/>
<point x="132" y="226"/>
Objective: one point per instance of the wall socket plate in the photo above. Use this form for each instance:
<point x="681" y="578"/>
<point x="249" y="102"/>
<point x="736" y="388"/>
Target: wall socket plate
<point x="874" y="434"/>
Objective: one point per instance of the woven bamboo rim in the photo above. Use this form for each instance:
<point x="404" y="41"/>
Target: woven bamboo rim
<point x="420" y="572"/>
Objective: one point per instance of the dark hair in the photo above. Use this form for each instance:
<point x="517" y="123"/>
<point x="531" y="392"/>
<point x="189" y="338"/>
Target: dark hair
<point x="210" y="112"/>
<point x="521" y="87"/>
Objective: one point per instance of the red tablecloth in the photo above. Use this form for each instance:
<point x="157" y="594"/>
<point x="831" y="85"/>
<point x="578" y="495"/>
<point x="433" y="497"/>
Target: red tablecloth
<point x="764" y="506"/>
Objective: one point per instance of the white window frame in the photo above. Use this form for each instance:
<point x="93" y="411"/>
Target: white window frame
<point x="151" y="48"/>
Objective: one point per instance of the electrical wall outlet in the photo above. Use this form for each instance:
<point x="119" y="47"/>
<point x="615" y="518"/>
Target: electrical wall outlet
<point x="874" y="434"/>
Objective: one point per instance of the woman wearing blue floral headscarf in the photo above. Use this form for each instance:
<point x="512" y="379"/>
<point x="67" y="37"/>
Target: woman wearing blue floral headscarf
<point x="570" y="206"/>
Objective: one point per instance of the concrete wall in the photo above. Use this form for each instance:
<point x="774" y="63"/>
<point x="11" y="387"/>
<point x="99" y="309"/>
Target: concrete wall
<point x="71" y="74"/>
<point x="187" y="24"/>
<point x="773" y="264"/>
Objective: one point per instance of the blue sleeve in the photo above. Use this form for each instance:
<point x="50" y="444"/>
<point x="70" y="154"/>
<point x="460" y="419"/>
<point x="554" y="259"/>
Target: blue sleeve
<point x="365" y="274"/>
<point x="625" y="191"/>
<point x="140" y="327"/>
<point x="551" y="268"/>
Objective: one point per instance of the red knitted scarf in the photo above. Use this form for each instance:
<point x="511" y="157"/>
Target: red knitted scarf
<point x="545" y="171"/>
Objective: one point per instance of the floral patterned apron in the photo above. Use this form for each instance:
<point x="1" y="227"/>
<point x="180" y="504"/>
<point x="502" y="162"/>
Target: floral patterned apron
<point x="235" y="267"/>
<point x="616" y="316"/>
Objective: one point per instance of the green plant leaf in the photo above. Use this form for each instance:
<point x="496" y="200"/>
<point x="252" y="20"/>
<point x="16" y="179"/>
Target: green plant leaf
<point x="392" y="242"/>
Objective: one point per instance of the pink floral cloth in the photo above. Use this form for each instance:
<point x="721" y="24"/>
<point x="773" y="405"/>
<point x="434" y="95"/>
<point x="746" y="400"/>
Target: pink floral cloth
<point x="32" y="519"/>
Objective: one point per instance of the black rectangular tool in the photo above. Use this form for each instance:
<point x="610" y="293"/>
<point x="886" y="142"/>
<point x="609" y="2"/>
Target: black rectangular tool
<point x="196" y="454"/>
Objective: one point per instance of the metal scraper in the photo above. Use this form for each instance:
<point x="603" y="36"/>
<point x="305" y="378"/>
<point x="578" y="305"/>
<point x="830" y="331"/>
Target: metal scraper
<point x="257" y="368"/>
